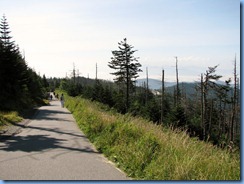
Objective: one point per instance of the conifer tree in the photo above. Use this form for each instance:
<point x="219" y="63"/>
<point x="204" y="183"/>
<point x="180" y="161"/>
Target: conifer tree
<point x="11" y="67"/>
<point x="126" y="66"/>
<point x="5" y="34"/>
<point x="209" y="82"/>
<point x="19" y="85"/>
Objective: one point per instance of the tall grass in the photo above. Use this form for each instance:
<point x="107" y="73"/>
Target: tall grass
<point x="151" y="152"/>
<point x="9" y="117"/>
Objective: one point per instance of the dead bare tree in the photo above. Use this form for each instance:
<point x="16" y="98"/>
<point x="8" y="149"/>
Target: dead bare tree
<point x="177" y="84"/>
<point x="203" y="97"/>
<point x="234" y="100"/>
<point x="162" y="97"/>
<point x="147" y="86"/>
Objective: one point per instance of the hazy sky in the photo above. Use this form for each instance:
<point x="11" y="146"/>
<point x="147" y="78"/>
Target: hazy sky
<point x="54" y="34"/>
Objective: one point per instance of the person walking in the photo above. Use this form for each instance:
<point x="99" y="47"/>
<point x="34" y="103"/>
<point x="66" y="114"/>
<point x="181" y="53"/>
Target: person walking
<point x="62" y="100"/>
<point x="51" y="97"/>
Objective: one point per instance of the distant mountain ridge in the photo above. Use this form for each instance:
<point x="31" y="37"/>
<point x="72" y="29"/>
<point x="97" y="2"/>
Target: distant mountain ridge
<point x="155" y="84"/>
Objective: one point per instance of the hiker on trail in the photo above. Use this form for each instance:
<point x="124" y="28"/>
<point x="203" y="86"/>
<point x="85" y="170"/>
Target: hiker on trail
<point x="62" y="100"/>
<point x="51" y="97"/>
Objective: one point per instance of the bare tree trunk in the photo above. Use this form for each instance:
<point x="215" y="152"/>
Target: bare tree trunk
<point x="220" y="120"/>
<point x="177" y="84"/>
<point x="74" y="75"/>
<point x="203" y="109"/>
<point x="233" y="116"/>
<point x="127" y="88"/>
<point x="162" y="97"/>
<point x="175" y="101"/>
<point x="237" y="127"/>
<point x="96" y="71"/>
<point x="147" y="87"/>
<point x="210" y="117"/>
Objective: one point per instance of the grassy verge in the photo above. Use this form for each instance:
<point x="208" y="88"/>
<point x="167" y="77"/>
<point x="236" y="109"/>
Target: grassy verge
<point x="7" y="118"/>
<point x="147" y="151"/>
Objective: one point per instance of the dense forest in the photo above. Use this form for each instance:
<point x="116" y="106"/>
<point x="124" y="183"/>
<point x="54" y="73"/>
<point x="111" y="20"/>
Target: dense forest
<point x="205" y="109"/>
<point x="20" y="86"/>
<point x="211" y="112"/>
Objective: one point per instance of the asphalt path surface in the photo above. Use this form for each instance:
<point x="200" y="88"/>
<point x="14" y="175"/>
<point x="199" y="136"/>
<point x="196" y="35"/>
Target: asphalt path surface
<point x="51" y="147"/>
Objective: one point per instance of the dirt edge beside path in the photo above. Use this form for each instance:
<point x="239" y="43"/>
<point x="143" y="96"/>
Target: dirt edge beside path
<point x="15" y="128"/>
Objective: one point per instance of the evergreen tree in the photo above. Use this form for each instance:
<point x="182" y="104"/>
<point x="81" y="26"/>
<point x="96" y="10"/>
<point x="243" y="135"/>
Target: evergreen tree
<point x="44" y="81"/>
<point x="126" y="66"/>
<point x="5" y="35"/>
<point x="12" y="69"/>
<point x="20" y="87"/>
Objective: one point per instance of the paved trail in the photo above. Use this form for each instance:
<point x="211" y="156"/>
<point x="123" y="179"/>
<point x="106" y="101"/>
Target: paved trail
<point x="52" y="147"/>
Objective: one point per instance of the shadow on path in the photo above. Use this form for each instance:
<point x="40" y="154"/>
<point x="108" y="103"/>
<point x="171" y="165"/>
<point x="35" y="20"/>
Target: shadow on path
<point x="48" y="114"/>
<point x="37" y="143"/>
<point x="55" y="130"/>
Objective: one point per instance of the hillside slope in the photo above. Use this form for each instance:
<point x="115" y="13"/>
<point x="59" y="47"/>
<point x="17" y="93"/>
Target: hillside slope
<point x="148" y="151"/>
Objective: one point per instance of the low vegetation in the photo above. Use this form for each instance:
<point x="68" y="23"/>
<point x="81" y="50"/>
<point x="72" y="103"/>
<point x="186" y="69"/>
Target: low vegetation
<point x="152" y="152"/>
<point x="7" y="118"/>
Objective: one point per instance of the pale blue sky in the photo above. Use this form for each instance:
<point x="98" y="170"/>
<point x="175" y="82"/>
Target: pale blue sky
<point x="57" y="33"/>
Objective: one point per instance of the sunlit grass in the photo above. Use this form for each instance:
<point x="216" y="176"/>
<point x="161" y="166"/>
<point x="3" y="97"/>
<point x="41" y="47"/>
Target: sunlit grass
<point x="152" y="152"/>
<point x="9" y="117"/>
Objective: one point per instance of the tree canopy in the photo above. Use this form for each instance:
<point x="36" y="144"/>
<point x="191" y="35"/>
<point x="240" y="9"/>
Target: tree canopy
<point x="20" y="85"/>
<point x="126" y="67"/>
